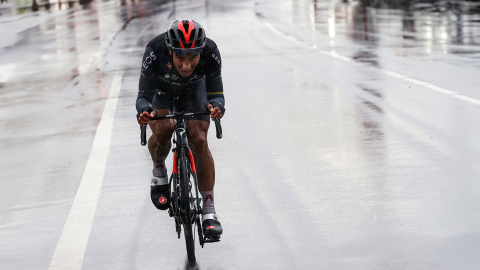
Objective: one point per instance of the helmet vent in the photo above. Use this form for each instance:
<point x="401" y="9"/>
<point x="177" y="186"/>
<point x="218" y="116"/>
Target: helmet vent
<point x="182" y="37"/>
<point x="172" y="34"/>
<point x="186" y="25"/>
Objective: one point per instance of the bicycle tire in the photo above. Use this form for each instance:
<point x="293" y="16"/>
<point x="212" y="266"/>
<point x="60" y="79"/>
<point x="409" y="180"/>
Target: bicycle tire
<point x="186" y="205"/>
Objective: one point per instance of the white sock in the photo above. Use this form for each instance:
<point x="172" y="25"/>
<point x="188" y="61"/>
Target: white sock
<point x="159" y="170"/>
<point x="159" y="181"/>
<point x="208" y="202"/>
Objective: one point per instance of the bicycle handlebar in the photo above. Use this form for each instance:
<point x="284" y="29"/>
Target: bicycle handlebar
<point x="179" y="117"/>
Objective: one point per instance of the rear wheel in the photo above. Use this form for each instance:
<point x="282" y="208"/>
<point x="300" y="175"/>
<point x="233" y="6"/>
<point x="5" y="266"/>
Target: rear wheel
<point x="188" y="221"/>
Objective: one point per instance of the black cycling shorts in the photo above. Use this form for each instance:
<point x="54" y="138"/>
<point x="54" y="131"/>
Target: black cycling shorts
<point x="192" y="99"/>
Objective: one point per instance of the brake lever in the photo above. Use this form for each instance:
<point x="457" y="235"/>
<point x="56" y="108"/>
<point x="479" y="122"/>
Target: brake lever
<point x="143" y="135"/>
<point x="218" y="128"/>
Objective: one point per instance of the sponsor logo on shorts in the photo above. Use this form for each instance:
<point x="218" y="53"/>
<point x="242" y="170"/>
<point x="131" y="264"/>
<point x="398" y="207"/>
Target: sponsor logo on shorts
<point x="163" y="200"/>
<point x="210" y="227"/>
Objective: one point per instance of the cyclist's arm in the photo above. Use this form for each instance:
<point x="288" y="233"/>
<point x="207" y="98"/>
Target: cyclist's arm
<point x="147" y="82"/>
<point x="213" y="81"/>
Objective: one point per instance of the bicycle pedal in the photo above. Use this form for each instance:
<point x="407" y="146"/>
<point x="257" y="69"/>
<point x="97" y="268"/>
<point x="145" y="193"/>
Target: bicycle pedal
<point x="212" y="239"/>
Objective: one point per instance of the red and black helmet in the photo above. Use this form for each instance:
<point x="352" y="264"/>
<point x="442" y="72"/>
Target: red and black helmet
<point x="185" y="36"/>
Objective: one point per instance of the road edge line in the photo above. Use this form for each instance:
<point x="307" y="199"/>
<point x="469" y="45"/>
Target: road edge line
<point x="73" y="241"/>
<point x="430" y="86"/>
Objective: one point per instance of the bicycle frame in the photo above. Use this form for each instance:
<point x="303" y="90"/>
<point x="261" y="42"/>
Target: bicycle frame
<point x="185" y="207"/>
<point x="181" y="142"/>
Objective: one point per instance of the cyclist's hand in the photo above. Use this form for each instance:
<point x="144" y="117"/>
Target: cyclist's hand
<point x="145" y="117"/>
<point x="215" y="112"/>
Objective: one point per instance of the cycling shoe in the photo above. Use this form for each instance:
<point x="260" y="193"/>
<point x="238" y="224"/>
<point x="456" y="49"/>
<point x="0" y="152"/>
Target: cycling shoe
<point x="211" y="226"/>
<point x="160" y="194"/>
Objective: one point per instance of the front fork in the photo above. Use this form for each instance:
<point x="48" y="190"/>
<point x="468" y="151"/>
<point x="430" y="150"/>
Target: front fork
<point x="174" y="210"/>
<point x="199" y="211"/>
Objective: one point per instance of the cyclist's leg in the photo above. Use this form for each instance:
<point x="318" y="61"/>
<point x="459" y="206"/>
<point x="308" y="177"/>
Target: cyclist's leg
<point x="197" y="139"/>
<point x="159" y="145"/>
<point x="197" y="130"/>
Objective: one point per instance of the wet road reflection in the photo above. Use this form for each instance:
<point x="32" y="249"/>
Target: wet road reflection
<point x="451" y="29"/>
<point x="388" y="153"/>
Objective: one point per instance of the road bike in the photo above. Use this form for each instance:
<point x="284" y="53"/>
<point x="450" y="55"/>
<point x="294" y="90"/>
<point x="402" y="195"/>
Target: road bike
<point x="185" y="204"/>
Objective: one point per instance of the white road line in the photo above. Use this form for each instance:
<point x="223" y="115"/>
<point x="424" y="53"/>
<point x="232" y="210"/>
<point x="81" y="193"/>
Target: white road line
<point x="292" y="38"/>
<point x="275" y="30"/>
<point x="390" y="73"/>
<point x="422" y="83"/>
<point x="469" y="99"/>
<point x="336" y="55"/>
<point x="73" y="241"/>
<point x="412" y="80"/>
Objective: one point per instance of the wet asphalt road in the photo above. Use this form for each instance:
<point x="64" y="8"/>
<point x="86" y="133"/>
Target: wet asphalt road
<point x="350" y="138"/>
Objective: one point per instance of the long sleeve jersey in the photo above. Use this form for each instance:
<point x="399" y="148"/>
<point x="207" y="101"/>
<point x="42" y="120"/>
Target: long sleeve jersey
<point x="159" y="73"/>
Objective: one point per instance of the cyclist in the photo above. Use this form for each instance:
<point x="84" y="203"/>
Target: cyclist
<point x="181" y="70"/>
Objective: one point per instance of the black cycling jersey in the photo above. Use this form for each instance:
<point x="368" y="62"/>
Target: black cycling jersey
<point x="159" y="75"/>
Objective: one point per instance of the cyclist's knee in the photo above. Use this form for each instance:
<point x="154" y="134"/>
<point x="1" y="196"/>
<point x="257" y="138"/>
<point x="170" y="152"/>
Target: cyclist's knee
<point x="197" y="133"/>
<point x="162" y="129"/>
<point x="198" y="139"/>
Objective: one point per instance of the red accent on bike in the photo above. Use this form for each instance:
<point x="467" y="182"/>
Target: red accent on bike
<point x="175" y="163"/>
<point x="191" y="162"/>
<point x="210" y="227"/>
<point x="191" y="26"/>
<point x="163" y="200"/>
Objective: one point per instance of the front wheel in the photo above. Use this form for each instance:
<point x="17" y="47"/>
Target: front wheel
<point x="187" y="210"/>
